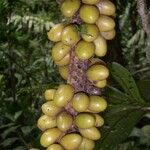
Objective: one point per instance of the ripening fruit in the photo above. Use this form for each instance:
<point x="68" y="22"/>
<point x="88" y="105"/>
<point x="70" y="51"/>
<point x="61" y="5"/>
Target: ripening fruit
<point x="89" y="14"/>
<point x="105" y="23"/>
<point x="106" y="7"/>
<point x="55" y="33"/>
<point x="99" y="120"/>
<point x="70" y="35"/>
<point x="70" y="7"/>
<point x="87" y="144"/>
<point x="101" y="84"/>
<point x="100" y="46"/>
<point x="55" y="147"/>
<point x="63" y="95"/>
<point x="91" y="2"/>
<point x="71" y="141"/>
<point x="80" y="102"/>
<point x="89" y="32"/>
<point x="91" y="133"/>
<point x="46" y="122"/>
<point x="59" y="51"/>
<point x="94" y="61"/>
<point x="97" y="72"/>
<point x="50" y="136"/>
<point x="85" y="50"/>
<point x="85" y="120"/>
<point x="64" y="72"/>
<point x="49" y="94"/>
<point x="49" y="108"/>
<point x="65" y="61"/>
<point x="97" y="104"/>
<point x="64" y="121"/>
<point x="109" y="35"/>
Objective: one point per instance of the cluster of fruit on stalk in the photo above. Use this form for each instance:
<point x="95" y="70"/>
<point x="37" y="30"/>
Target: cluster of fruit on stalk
<point x="70" y="116"/>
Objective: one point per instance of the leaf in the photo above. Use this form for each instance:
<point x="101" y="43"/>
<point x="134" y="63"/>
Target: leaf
<point x="27" y="129"/>
<point x="9" y="141"/>
<point x="17" y="115"/>
<point x="6" y="125"/>
<point x="20" y="148"/>
<point x="126" y="81"/>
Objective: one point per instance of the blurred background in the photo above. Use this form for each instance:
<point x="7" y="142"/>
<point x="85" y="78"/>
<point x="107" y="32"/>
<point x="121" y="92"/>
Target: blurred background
<point x="26" y="69"/>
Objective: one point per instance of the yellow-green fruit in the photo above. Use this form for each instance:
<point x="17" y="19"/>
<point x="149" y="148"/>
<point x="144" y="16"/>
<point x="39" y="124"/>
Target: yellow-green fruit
<point x="64" y="121"/>
<point x="50" y="136"/>
<point x="97" y="104"/>
<point x="64" y="72"/>
<point x="55" y="147"/>
<point x="59" y="51"/>
<point x="80" y="102"/>
<point x="97" y="72"/>
<point x="101" y="84"/>
<point x="49" y="94"/>
<point x="91" y="2"/>
<point x="65" y="61"/>
<point x="99" y="120"/>
<point x="85" y="120"/>
<point x="63" y="95"/>
<point x="71" y="141"/>
<point x="89" y="32"/>
<point x="91" y="133"/>
<point x="106" y="7"/>
<point x="87" y="144"/>
<point x="70" y="35"/>
<point x="85" y="50"/>
<point x="46" y="122"/>
<point x="100" y="46"/>
<point x="55" y="33"/>
<point x="89" y="14"/>
<point x="105" y="23"/>
<point x="109" y="35"/>
<point x="70" y="7"/>
<point x="94" y="61"/>
<point x="49" y="108"/>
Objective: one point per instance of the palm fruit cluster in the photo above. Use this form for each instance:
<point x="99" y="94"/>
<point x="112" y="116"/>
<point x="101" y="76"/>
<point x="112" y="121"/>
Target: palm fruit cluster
<point x="71" y="113"/>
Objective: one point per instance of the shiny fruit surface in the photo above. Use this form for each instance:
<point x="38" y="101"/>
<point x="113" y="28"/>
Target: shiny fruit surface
<point x="105" y="23"/>
<point x="97" y="104"/>
<point x="64" y="121"/>
<point x="64" y="72"/>
<point x="49" y="94"/>
<point x="85" y="120"/>
<point x="46" y="122"/>
<point x="55" y="147"/>
<point x="99" y="120"/>
<point x="91" y="2"/>
<point x="80" y="102"/>
<point x="85" y="50"/>
<point x="70" y="7"/>
<point x="71" y="141"/>
<point x="97" y="72"/>
<point x="101" y="84"/>
<point x="50" y="136"/>
<point x="63" y="95"/>
<point x="89" y="32"/>
<point x="89" y="14"/>
<point x="55" y="33"/>
<point x="109" y="35"/>
<point x="65" y="61"/>
<point x="100" y="46"/>
<point x="70" y="35"/>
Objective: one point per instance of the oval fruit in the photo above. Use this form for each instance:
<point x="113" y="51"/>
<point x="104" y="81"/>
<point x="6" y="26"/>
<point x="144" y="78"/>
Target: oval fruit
<point x="55" y="33"/>
<point x="101" y="84"/>
<point x="100" y="46"/>
<point x="63" y="95"/>
<point x="46" y="122"/>
<point x="49" y="108"/>
<point x="55" y="147"/>
<point x="99" y="120"/>
<point x="85" y="120"/>
<point x="71" y="141"/>
<point x="49" y="94"/>
<point x="70" y="7"/>
<point x="89" y="32"/>
<point x="64" y="121"/>
<point x="64" y="72"/>
<point x="105" y="23"/>
<point x="97" y="104"/>
<point x="80" y="102"/>
<point x="85" y="50"/>
<point x="91" y="2"/>
<point x="89" y="14"/>
<point x="70" y="35"/>
<point x="50" y="136"/>
<point x="91" y="133"/>
<point x="65" y="61"/>
<point x="109" y="35"/>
